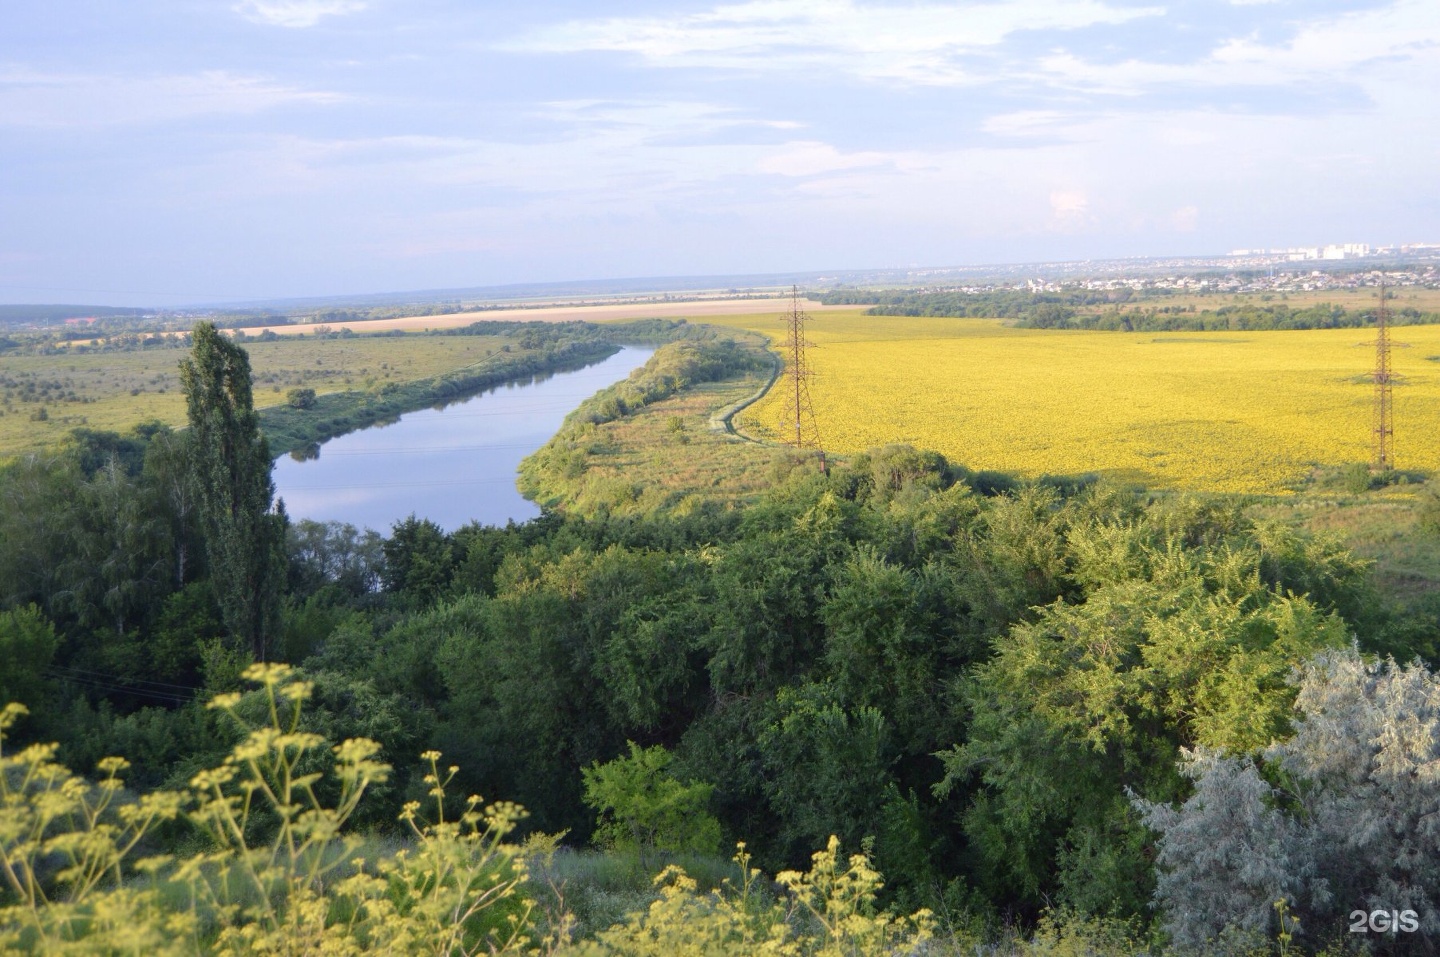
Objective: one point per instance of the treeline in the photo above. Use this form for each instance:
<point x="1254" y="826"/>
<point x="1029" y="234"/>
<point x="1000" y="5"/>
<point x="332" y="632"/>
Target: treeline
<point x="108" y="335"/>
<point x="1008" y="304"/>
<point x="45" y="315"/>
<point x="300" y="426"/>
<point x="1239" y="318"/>
<point x="1078" y="310"/>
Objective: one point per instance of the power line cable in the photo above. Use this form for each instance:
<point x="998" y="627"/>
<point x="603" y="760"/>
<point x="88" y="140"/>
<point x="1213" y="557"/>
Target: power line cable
<point x="113" y="687"/>
<point x="137" y="681"/>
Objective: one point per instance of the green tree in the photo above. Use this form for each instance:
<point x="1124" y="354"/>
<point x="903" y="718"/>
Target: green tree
<point x="827" y="768"/>
<point x="27" y="646"/>
<point x="244" y="537"/>
<point x="643" y="807"/>
<point x="419" y="559"/>
<point x="1175" y="644"/>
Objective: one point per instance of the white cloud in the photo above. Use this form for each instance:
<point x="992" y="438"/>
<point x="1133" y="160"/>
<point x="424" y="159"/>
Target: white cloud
<point x="1069" y="209"/>
<point x="59" y="100"/>
<point x="1031" y="123"/>
<point x="1407" y="34"/>
<point x="1185" y="219"/>
<point x="914" y="43"/>
<point x="947" y="44"/>
<point x="811" y="159"/>
<point x="295" y="13"/>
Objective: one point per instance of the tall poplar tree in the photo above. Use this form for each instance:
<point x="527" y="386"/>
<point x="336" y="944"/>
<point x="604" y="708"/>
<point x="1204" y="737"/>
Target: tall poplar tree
<point x="244" y="537"/>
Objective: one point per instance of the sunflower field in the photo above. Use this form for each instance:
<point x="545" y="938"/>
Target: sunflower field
<point x="1250" y="412"/>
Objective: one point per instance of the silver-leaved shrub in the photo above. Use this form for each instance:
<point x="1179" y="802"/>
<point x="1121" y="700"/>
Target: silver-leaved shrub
<point x="1345" y="816"/>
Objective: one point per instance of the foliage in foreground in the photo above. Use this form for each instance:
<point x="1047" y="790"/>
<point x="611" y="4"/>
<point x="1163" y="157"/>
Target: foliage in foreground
<point x="280" y="874"/>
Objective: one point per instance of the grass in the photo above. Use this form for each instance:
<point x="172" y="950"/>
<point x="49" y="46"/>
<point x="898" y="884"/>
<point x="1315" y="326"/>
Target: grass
<point x="1381" y="526"/>
<point x="1252" y="412"/>
<point x="667" y="455"/>
<point x="117" y="390"/>
<point x="600" y="888"/>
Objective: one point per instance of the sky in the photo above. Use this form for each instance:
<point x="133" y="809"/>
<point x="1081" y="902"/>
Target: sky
<point x="167" y="152"/>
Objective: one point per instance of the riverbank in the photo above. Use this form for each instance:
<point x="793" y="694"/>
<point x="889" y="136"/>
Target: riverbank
<point x="453" y="464"/>
<point x="289" y="429"/>
<point x="537" y="349"/>
<point x="650" y="444"/>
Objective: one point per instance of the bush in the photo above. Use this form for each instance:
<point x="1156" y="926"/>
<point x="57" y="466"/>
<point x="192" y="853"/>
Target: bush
<point x="643" y="808"/>
<point x="831" y="912"/>
<point x="27" y="645"/>
<point x="1429" y="517"/>
<point x="1353" y="827"/>
<point x="301" y="398"/>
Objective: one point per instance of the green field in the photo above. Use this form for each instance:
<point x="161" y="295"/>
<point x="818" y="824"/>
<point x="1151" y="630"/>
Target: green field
<point x="673" y="454"/>
<point x="116" y="390"/>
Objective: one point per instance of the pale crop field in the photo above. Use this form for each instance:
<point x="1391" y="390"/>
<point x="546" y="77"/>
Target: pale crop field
<point x="1215" y="411"/>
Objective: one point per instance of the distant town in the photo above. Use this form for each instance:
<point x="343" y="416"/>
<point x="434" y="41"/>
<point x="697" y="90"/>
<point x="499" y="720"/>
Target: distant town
<point x="1335" y="251"/>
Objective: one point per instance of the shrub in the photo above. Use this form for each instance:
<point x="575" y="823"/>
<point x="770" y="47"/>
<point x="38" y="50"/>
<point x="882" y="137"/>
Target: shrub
<point x="1353" y="827"/>
<point x="828" y="911"/>
<point x="643" y="808"/>
<point x="27" y="645"/>
<point x="301" y="398"/>
<point x="1429" y="518"/>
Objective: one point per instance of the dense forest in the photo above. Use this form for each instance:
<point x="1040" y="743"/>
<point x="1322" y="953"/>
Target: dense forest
<point x="1120" y="310"/>
<point x="1026" y="703"/>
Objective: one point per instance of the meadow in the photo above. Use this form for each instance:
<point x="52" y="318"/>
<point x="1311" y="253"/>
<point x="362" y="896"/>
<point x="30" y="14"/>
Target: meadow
<point x="672" y="454"/>
<point x="1245" y="412"/>
<point x="115" y="390"/>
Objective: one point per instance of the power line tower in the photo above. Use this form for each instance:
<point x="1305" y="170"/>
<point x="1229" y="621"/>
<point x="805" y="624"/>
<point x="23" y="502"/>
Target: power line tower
<point x="799" y="413"/>
<point x="1383" y="428"/>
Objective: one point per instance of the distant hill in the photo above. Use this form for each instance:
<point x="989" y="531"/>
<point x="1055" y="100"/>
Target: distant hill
<point x="46" y="315"/>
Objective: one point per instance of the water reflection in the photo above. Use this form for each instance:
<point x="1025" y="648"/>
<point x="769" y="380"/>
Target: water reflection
<point x="454" y="463"/>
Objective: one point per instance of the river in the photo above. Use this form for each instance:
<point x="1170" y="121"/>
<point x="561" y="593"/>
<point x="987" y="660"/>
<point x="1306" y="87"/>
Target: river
<point x="452" y="465"/>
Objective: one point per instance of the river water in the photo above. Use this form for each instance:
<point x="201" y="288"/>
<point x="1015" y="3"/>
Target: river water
<point x="453" y="465"/>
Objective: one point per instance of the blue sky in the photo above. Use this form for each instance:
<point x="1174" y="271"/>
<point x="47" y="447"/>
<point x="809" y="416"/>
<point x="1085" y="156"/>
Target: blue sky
<point x="203" y="150"/>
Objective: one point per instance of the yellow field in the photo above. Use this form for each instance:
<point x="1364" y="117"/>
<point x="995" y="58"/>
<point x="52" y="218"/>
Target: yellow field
<point x="1217" y="411"/>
